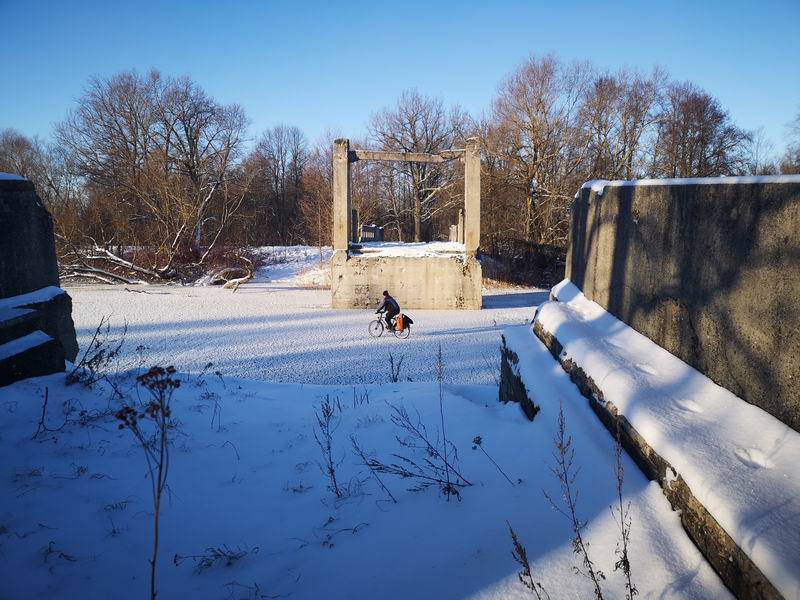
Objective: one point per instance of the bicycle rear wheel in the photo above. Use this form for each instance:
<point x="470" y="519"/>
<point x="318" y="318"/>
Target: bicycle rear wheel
<point x="376" y="328"/>
<point x="403" y="334"/>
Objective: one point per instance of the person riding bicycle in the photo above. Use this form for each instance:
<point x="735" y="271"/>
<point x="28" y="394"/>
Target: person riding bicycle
<point x="391" y="307"/>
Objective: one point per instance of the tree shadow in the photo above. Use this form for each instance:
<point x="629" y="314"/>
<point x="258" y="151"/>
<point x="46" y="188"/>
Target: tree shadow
<point x="709" y="272"/>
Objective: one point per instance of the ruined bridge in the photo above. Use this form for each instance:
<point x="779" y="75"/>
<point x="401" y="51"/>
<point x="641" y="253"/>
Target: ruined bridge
<point x="448" y="277"/>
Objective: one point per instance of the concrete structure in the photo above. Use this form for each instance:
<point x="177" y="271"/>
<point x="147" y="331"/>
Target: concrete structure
<point x="732" y="563"/>
<point x="36" y="328"/>
<point x="354" y="224"/>
<point x="371" y="233"/>
<point x="456" y="233"/>
<point x="709" y="269"/>
<point x="433" y="281"/>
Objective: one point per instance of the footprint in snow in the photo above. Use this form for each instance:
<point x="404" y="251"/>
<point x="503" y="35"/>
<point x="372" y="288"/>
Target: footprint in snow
<point x="689" y="405"/>
<point x="645" y="368"/>
<point x="753" y="457"/>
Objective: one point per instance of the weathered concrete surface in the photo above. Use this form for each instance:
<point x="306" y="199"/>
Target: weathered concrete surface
<point x="41" y="359"/>
<point x="341" y="194"/>
<point x="27" y="264"/>
<point x="472" y="197"/>
<point x="512" y="388"/>
<point x="56" y="321"/>
<point x="710" y="272"/>
<point x="732" y="563"/>
<point x="27" y="245"/>
<point x="416" y="282"/>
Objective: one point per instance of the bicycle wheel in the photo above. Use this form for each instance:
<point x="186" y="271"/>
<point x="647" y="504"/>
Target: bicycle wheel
<point x="403" y="334"/>
<point x="376" y="328"/>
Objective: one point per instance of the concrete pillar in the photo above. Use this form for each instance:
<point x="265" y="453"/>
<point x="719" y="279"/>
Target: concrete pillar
<point x="354" y="237"/>
<point x="472" y="196"/>
<point x="460" y="227"/>
<point x="341" y="194"/>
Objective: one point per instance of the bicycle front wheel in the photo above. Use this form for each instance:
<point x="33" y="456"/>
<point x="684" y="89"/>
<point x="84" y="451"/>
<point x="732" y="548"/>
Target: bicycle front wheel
<point x="376" y="328"/>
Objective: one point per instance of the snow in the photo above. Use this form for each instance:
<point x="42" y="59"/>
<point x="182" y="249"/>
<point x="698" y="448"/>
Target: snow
<point x="599" y="185"/>
<point x="8" y="313"/>
<point x="41" y="295"/>
<point x="22" y="344"/>
<point x="274" y="331"/>
<point x="11" y="177"/>
<point x="410" y="249"/>
<point x="303" y="266"/>
<point x="739" y="461"/>
<point x="75" y="510"/>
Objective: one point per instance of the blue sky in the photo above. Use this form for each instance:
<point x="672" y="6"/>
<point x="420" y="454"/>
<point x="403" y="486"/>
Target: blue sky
<point x="323" y="65"/>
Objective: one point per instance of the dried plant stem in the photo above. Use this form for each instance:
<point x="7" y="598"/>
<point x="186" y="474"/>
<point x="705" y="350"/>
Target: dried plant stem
<point x="371" y="466"/>
<point x="623" y="513"/>
<point x="440" y="379"/>
<point x="564" y="456"/>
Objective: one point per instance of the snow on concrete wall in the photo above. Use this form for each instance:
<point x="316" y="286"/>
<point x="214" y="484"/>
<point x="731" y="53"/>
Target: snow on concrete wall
<point x="708" y="270"/>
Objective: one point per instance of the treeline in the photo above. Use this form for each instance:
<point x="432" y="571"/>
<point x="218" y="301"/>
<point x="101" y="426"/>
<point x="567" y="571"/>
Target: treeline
<point x="151" y="174"/>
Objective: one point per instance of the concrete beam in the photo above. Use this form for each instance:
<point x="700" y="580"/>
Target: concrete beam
<point x="341" y="194"/>
<point x="418" y="157"/>
<point x="472" y="196"/>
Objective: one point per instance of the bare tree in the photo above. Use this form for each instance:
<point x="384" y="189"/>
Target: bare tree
<point x="619" y="113"/>
<point x="48" y="167"/>
<point x="791" y="160"/>
<point x="419" y="124"/>
<point x="163" y="154"/>
<point x="280" y="159"/>
<point x="760" y="154"/>
<point x="316" y="203"/>
<point x="537" y="116"/>
<point x="696" y="137"/>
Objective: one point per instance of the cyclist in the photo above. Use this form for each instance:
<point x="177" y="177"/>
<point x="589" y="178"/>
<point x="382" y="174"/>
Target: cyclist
<point x="391" y="307"/>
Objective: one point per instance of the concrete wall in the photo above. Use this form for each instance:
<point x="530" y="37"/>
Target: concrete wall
<point x="27" y="246"/>
<point x="416" y="282"/>
<point x="28" y="261"/>
<point x="709" y="272"/>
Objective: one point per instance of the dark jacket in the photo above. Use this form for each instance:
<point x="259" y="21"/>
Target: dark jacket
<point x="390" y="304"/>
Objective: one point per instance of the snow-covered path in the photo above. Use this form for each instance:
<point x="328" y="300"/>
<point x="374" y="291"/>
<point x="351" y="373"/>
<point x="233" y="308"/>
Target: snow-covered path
<point x="275" y="331"/>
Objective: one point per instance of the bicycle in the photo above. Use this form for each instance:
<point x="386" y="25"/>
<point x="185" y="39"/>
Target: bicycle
<point x="377" y="327"/>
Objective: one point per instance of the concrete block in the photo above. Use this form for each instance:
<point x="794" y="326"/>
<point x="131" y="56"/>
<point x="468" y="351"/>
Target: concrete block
<point x="416" y="282"/>
<point x="708" y="271"/>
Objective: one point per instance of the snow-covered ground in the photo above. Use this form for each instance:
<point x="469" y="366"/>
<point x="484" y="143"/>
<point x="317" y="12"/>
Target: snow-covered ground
<point x="302" y="266"/>
<point x="274" y="331"/>
<point x="740" y="462"/>
<point x="75" y="508"/>
<point x="76" y="513"/>
<point x="410" y="249"/>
